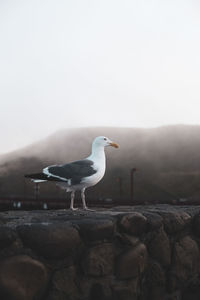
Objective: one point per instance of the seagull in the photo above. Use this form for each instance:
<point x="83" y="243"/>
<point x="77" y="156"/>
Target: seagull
<point x="78" y="175"/>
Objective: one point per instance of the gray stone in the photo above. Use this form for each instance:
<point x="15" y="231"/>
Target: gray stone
<point x="156" y="293"/>
<point x="192" y="293"/>
<point x="22" y="278"/>
<point x="155" y="275"/>
<point x="108" y="260"/>
<point x="98" y="292"/>
<point x="155" y="281"/>
<point x="176" y="296"/>
<point x="121" y="293"/>
<point x="132" y="263"/>
<point x="196" y="225"/>
<point x="99" y="260"/>
<point x="126" y="290"/>
<point x="93" y="230"/>
<point x="159" y="247"/>
<point x="63" y="285"/>
<point x="175" y="221"/>
<point x="127" y="239"/>
<point x="186" y="263"/>
<point x="134" y="223"/>
<point x="96" y="288"/>
<point x="154" y="221"/>
<point x="51" y="240"/>
<point x="7" y="237"/>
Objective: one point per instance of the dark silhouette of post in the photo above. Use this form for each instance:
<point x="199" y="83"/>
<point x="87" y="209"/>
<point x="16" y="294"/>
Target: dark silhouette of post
<point x="133" y="170"/>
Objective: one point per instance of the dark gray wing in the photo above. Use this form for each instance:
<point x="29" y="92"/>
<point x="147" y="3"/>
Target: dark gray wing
<point x="74" y="171"/>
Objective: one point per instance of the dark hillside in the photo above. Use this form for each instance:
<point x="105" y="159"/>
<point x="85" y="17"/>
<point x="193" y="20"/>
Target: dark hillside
<point x="168" y="159"/>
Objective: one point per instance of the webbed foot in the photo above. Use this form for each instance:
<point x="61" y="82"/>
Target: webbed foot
<point x="73" y="208"/>
<point x="88" y="209"/>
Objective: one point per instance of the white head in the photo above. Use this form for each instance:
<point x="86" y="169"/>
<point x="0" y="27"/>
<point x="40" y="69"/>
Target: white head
<point x="103" y="141"/>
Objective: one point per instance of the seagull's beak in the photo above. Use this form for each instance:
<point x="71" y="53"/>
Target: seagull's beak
<point x="114" y="145"/>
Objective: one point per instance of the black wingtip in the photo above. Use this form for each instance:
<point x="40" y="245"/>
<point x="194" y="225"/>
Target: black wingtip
<point x="27" y="176"/>
<point x="36" y="176"/>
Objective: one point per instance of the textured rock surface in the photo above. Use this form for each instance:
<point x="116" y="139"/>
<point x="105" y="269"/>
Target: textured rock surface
<point x="7" y="237"/>
<point x="91" y="230"/>
<point x="159" y="247"/>
<point x="22" y="277"/>
<point x="50" y="240"/>
<point x="64" y="285"/>
<point x="134" y="223"/>
<point x="132" y="263"/>
<point x="123" y="253"/>
<point x="186" y="262"/>
<point x="99" y="260"/>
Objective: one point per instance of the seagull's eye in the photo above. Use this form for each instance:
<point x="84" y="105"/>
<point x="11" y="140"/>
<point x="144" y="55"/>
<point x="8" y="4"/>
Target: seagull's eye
<point x="105" y="139"/>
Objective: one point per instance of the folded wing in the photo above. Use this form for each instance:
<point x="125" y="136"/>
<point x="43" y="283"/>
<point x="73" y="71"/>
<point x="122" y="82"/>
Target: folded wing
<point x="73" y="172"/>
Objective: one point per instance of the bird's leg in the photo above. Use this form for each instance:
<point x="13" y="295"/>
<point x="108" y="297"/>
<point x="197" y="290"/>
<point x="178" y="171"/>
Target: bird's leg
<point x="72" y="201"/>
<point x="83" y="199"/>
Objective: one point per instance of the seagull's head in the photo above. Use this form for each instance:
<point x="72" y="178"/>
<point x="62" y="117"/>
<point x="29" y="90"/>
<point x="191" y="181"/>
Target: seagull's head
<point x="103" y="141"/>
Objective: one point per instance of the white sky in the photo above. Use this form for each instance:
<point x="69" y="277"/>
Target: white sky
<point x="67" y="63"/>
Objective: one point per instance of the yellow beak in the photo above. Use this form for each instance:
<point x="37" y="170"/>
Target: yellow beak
<point x="114" y="145"/>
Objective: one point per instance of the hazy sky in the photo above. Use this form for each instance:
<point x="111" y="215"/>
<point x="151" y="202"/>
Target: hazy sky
<point x="100" y="62"/>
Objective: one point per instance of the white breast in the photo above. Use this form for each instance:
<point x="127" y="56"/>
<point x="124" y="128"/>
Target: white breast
<point x="98" y="157"/>
<point x="95" y="178"/>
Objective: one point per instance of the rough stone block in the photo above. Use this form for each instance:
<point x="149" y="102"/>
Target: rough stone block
<point x="186" y="263"/>
<point x="95" y="229"/>
<point x="128" y="290"/>
<point x="7" y="237"/>
<point x="196" y="225"/>
<point x="135" y="252"/>
<point x="122" y="293"/>
<point x="52" y="240"/>
<point x="63" y="285"/>
<point x="96" y="288"/>
<point x="132" y="262"/>
<point x="159" y="247"/>
<point x="175" y="221"/>
<point x="98" y="292"/>
<point x="22" y="278"/>
<point x="154" y="221"/>
<point x="127" y="239"/>
<point x="99" y="260"/>
<point x="155" y="275"/>
<point x="134" y="223"/>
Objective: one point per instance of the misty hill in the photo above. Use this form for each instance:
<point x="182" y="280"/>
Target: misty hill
<point x="167" y="158"/>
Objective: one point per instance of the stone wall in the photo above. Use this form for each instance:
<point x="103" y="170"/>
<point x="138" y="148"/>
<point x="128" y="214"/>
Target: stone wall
<point x="124" y="253"/>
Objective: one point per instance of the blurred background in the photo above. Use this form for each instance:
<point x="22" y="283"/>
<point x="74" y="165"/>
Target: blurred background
<point x="160" y="165"/>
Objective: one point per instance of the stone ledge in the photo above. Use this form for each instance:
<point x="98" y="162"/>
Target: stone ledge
<point x="141" y="252"/>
